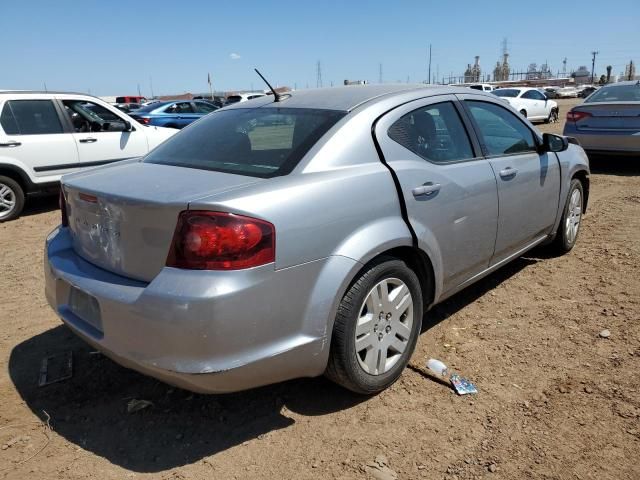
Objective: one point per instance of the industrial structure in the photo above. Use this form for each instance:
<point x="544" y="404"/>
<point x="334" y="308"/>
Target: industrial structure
<point x="472" y="73"/>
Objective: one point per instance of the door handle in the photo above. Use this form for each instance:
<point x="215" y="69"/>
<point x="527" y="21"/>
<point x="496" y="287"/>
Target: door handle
<point x="10" y="144"/>
<point x="88" y="140"/>
<point x="508" y="172"/>
<point x="426" y="190"/>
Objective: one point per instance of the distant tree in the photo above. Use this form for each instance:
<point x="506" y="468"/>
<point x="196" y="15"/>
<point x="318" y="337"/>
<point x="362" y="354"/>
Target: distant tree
<point x="609" y="68"/>
<point x="603" y="80"/>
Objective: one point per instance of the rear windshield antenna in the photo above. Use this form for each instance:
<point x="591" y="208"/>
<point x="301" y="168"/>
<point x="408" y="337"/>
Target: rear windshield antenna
<point x="276" y="95"/>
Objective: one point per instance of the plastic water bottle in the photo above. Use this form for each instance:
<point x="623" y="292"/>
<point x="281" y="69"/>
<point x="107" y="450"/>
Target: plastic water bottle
<point x="437" y="367"/>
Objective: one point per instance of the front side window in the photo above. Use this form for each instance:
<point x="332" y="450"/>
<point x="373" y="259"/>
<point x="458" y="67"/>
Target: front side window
<point x="503" y="133"/>
<point x="264" y="142"/>
<point x="91" y="117"/>
<point x="182" y="107"/>
<point x="31" y="117"/>
<point x="533" y="95"/>
<point x="434" y="132"/>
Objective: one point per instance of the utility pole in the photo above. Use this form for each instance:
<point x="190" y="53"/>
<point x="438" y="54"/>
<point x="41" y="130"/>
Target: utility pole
<point x="593" y="64"/>
<point x="151" y="85"/>
<point x="139" y="94"/>
<point x="429" y="63"/>
<point x="318" y="75"/>
<point x="380" y="74"/>
<point x="564" y="67"/>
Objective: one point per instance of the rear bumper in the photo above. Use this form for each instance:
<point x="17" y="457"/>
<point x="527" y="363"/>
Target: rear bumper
<point x="203" y="331"/>
<point x="595" y="141"/>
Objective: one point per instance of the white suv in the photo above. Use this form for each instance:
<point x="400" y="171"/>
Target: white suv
<point x="44" y="135"/>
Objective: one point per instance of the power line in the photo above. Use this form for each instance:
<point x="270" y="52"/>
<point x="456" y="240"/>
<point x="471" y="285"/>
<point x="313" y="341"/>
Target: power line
<point x="380" y="74"/>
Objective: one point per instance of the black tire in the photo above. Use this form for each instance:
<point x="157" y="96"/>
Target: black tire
<point x="344" y="367"/>
<point x="563" y="242"/>
<point x="14" y="192"/>
<point x="523" y="113"/>
<point x="553" y="116"/>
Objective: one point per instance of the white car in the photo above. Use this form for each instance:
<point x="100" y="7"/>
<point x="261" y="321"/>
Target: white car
<point x="44" y="135"/>
<point x="530" y="102"/>
<point x="243" y="97"/>
<point x="567" y="92"/>
<point x="484" y="87"/>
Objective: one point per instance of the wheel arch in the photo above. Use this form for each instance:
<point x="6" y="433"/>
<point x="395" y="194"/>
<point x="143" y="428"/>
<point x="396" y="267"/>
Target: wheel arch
<point x="18" y="175"/>
<point x="583" y="176"/>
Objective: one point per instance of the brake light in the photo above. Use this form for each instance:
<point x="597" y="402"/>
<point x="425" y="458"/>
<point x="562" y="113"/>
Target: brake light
<point x="63" y="209"/>
<point x="221" y="241"/>
<point x="574" y="116"/>
<point x="144" y="120"/>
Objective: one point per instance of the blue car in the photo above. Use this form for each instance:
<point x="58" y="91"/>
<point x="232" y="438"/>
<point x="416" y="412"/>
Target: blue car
<point x="173" y="114"/>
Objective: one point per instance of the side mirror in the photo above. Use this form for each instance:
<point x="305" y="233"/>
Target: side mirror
<point x="127" y="126"/>
<point x="554" y="143"/>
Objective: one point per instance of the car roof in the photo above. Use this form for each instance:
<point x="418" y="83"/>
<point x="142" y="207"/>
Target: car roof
<point x="345" y="98"/>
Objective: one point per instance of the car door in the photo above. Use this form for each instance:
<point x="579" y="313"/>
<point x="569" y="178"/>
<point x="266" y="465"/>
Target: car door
<point x="449" y="191"/>
<point x="528" y="181"/>
<point x="101" y="134"/>
<point x="34" y="136"/>
<point x="534" y="104"/>
<point x="185" y="114"/>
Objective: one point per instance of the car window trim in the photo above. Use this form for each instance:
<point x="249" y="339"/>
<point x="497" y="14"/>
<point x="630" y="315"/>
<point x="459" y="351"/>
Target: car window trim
<point x="536" y="137"/>
<point x="67" y="121"/>
<point x="478" y="153"/>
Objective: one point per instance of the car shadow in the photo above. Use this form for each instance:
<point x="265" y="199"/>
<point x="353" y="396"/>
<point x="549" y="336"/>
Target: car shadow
<point x="179" y="427"/>
<point x="460" y="300"/>
<point x="40" y="204"/>
<point x="615" y="165"/>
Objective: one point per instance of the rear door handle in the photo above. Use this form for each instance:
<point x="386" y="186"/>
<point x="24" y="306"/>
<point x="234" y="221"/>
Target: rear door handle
<point x="508" y="172"/>
<point x="10" y="144"/>
<point x="88" y="140"/>
<point x="426" y="190"/>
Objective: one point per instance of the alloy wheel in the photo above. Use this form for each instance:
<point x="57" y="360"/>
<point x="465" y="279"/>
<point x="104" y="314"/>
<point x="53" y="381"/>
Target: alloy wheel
<point x="7" y="200"/>
<point x="574" y="214"/>
<point x="384" y="326"/>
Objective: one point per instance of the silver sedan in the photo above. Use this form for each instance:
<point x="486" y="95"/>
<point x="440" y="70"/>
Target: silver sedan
<point x="609" y="120"/>
<point x="307" y="234"/>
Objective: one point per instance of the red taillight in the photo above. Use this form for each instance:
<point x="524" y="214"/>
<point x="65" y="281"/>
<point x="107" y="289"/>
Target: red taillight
<point x="221" y="241"/>
<point x="574" y="116"/>
<point x="144" y="120"/>
<point x="63" y="209"/>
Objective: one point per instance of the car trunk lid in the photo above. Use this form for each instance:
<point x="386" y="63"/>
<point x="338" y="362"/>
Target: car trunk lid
<point x="609" y="116"/>
<point x="122" y="218"/>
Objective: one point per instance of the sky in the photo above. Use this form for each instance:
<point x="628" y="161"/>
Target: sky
<point x="112" y="47"/>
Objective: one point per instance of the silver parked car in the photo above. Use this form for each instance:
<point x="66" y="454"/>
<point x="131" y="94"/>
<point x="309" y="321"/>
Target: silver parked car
<point x="292" y="237"/>
<point x="609" y="120"/>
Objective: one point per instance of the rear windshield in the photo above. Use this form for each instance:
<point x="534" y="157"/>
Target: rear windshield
<point x="507" y="92"/>
<point x="259" y="142"/>
<point x="616" y="93"/>
<point x="476" y="87"/>
<point x="150" y="107"/>
<point x="234" y="99"/>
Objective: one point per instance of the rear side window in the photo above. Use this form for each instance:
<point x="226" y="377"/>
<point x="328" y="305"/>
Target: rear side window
<point x="8" y="121"/>
<point x="262" y="142"/>
<point x="434" y="132"/>
<point x="502" y="132"/>
<point x="31" y="117"/>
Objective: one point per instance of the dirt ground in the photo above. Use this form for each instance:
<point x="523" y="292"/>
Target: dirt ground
<point x="555" y="401"/>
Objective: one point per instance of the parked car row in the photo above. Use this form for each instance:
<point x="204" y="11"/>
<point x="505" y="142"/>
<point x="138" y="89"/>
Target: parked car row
<point x="530" y="102"/>
<point x="44" y="135"/>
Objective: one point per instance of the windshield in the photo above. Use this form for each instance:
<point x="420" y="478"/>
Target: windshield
<point x="616" y="93"/>
<point x="234" y="99"/>
<point x="261" y="142"/>
<point x="507" y="92"/>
